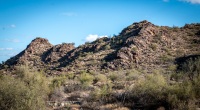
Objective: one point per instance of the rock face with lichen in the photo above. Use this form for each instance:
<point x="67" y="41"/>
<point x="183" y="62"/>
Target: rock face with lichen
<point x="140" y="45"/>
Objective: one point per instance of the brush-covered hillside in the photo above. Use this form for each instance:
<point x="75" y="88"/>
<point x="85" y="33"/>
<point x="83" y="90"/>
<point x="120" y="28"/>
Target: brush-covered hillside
<point x="145" y="67"/>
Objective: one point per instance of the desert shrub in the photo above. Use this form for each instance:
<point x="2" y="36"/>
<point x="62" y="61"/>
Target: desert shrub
<point x="86" y="79"/>
<point x="172" y="67"/>
<point x="100" y="78"/>
<point x="73" y="87"/>
<point x="132" y="75"/>
<point x="58" y="94"/>
<point x="106" y="47"/>
<point x="177" y="76"/>
<point x="14" y="94"/>
<point x="148" y="87"/>
<point x="28" y="91"/>
<point x="191" y="67"/>
<point x="105" y="90"/>
<point x="58" y="81"/>
<point x="103" y="93"/>
<point x="166" y="58"/>
<point x="70" y="75"/>
<point x="155" y="90"/>
<point x="119" y="85"/>
<point x="116" y="76"/>
<point x="36" y="80"/>
<point x="184" y="95"/>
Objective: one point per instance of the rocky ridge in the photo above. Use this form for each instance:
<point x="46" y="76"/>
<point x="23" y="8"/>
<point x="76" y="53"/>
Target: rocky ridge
<point x="140" y="45"/>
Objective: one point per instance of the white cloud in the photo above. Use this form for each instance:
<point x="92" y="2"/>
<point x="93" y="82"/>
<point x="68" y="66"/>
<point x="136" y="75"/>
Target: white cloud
<point x="6" y="48"/>
<point x="192" y="1"/>
<point x="93" y="37"/>
<point x="13" y="26"/>
<point x="12" y="40"/>
<point x="8" y="26"/>
<point x="9" y="48"/>
<point x="69" y="14"/>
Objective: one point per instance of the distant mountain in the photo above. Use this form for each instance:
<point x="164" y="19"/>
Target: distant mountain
<point x="140" y="45"/>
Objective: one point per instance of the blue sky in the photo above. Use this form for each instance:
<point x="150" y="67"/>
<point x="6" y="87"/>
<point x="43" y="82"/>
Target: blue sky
<point x="79" y="21"/>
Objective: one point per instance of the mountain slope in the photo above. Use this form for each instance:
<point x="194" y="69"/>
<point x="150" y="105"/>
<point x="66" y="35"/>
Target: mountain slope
<point x="140" y="45"/>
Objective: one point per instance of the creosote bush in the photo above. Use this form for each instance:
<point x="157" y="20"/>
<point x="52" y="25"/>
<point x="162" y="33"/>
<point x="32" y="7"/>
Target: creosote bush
<point x="102" y="93"/>
<point x="191" y="68"/>
<point x="86" y="79"/>
<point x="58" y="81"/>
<point x="155" y="90"/>
<point x="116" y="76"/>
<point x="132" y="75"/>
<point x="28" y="91"/>
<point x="149" y="88"/>
<point x="100" y="78"/>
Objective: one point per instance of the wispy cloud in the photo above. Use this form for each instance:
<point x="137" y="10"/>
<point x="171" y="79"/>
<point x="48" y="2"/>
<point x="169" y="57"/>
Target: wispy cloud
<point x="69" y="14"/>
<point x="93" y="37"/>
<point x="6" y="48"/>
<point x="191" y="1"/>
<point x="8" y="26"/>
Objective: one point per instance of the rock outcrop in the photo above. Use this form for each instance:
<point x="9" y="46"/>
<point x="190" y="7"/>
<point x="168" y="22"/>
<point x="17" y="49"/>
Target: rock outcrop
<point x="32" y="53"/>
<point x="140" y="45"/>
<point x="57" y="52"/>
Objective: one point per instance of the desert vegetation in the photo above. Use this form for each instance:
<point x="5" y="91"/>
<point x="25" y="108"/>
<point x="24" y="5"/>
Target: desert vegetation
<point x="132" y="89"/>
<point x="23" y="90"/>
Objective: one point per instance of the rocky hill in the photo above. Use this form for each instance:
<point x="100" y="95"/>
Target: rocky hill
<point x="140" y="45"/>
<point x="145" y="67"/>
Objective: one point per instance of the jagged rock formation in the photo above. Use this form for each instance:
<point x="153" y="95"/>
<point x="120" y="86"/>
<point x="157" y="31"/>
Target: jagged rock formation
<point x="57" y="52"/>
<point x="32" y="53"/>
<point x="140" y="45"/>
<point x="39" y="53"/>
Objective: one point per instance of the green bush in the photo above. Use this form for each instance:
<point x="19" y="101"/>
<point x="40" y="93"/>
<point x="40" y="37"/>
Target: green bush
<point x="166" y="58"/>
<point x="70" y="75"/>
<point x="28" y="91"/>
<point x="107" y="47"/>
<point x="116" y="76"/>
<point x="184" y="95"/>
<point x="58" y="81"/>
<point x="132" y="75"/>
<point x="154" y="90"/>
<point x="102" y="93"/>
<point x="86" y="79"/>
<point x="151" y="87"/>
<point x="100" y="78"/>
<point x="14" y="94"/>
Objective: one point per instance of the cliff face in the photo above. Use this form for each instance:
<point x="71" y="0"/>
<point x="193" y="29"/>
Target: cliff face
<point x="140" y="45"/>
